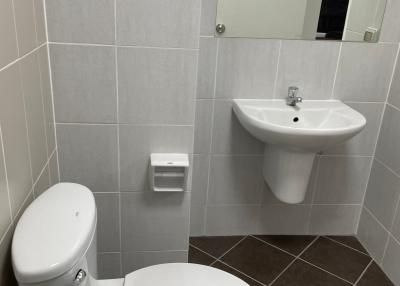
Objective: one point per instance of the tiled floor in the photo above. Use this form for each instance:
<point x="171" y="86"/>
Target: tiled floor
<point x="289" y="260"/>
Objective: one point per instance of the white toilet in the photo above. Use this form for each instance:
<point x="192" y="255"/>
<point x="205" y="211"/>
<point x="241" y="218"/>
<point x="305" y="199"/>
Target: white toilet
<point x="54" y="244"/>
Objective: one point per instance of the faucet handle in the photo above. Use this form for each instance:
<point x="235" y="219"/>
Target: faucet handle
<point x="293" y="90"/>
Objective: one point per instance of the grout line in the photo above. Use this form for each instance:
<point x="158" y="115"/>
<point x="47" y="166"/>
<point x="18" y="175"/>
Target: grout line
<point x="205" y="252"/>
<point x="274" y="90"/>
<point x="294" y="260"/>
<point x="236" y="244"/>
<point x="393" y="106"/>
<point x="347" y="246"/>
<point x="336" y="71"/>
<point x="21" y="57"/>
<point x="6" y="174"/>
<point x="314" y="191"/>
<point x="15" y="26"/>
<point x="364" y="271"/>
<point x="274" y="246"/>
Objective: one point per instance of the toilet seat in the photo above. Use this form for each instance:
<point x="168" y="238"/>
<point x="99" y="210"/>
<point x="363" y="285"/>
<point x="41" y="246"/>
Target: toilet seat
<point x="181" y="274"/>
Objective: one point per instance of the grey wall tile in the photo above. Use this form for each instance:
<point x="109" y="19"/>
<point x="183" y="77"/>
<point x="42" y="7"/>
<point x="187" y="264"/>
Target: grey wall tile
<point x="200" y="179"/>
<point x="5" y="211"/>
<point x="197" y="220"/>
<point x="88" y="155"/>
<point x="208" y="17"/>
<point x="382" y="193"/>
<point x="32" y="92"/>
<point x="207" y="68"/>
<point x="109" y="265"/>
<point x="47" y="99"/>
<point x="15" y="139"/>
<point x="391" y="23"/>
<point x="90" y="21"/>
<point x="229" y="136"/>
<point x="146" y="140"/>
<point x="231" y="220"/>
<point x="8" y="42"/>
<point x="394" y="93"/>
<point x="155" y="221"/>
<point x="364" y="143"/>
<point x="342" y="180"/>
<point x="391" y="261"/>
<point x="108" y="223"/>
<point x="246" y="68"/>
<point x="311" y="66"/>
<point x="372" y="235"/>
<point x="203" y="124"/>
<point x="25" y="23"/>
<point x="334" y="219"/>
<point x="156" y="86"/>
<point x="84" y="83"/>
<point x="43" y="182"/>
<point x="284" y="219"/>
<point x="396" y="225"/>
<point x="53" y="168"/>
<point x="132" y="261"/>
<point x="235" y="180"/>
<point x="364" y="72"/>
<point x="40" y="21"/>
<point x="388" y="149"/>
<point x="160" y="23"/>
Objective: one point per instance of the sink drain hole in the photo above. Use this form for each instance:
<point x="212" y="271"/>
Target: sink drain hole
<point x="296" y="119"/>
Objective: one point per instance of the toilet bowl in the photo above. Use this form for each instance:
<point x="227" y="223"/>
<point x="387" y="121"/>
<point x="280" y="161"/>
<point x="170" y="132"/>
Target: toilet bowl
<point x="54" y="244"/>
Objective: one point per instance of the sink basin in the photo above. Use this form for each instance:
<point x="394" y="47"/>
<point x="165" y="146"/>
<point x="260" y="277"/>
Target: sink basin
<point x="293" y="135"/>
<point x="311" y="126"/>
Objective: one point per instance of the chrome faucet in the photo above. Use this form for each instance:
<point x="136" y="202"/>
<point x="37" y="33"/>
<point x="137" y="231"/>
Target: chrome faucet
<point x="292" y="99"/>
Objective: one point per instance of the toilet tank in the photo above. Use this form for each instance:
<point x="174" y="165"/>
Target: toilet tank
<point x="55" y="238"/>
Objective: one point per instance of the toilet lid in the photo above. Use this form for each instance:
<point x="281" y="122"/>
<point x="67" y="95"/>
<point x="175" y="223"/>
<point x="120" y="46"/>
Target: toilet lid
<point x="181" y="274"/>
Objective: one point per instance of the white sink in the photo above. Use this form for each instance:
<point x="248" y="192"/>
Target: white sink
<point x="294" y="135"/>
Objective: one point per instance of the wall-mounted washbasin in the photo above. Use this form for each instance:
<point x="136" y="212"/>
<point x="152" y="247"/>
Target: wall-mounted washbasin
<point x="294" y="134"/>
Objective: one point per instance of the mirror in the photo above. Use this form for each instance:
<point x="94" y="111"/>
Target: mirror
<point x="340" y="20"/>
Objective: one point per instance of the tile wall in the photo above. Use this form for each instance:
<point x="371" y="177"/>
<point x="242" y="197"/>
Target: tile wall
<point x="124" y="80"/>
<point x="229" y="196"/>
<point x="28" y="153"/>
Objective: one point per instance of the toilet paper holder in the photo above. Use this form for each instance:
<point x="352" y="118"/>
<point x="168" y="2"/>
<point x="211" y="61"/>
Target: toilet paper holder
<point x="169" y="172"/>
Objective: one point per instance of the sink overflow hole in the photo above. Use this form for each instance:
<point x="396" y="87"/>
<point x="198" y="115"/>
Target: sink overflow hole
<point x="295" y="119"/>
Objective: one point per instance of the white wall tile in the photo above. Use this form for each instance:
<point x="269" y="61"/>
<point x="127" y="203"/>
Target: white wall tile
<point x="364" y="72"/>
<point x="108" y="222"/>
<point x="391" y="261"/>
<point x="396" y="225"/>
<point x="197" y="220"/>
<point x="132" y="261"/>
<point x="109" y="265"/>
<point x="138" y="142"/>
<point x="342" y="180"/>
<point x="156" y="86"/>
<point x="40" y="21"/>
<point x="43" y="182"/>
<point x="391" y="23"/>
<point x="206" y="67"/>
<point x="84" y="83"/>
<point x="246" y="68"/>
<point x="155" y="221"/>
<point x="89" y="21"/>
<point x="88" y="155"/>
<point x="25" y="23"/>
<point x="8" y="42"/>
<point x="229" y="136"/>
<point x="5" y="212"/>
<point x="309" y="65"/>
<point x="208" y="16"/>
<point x="284" y="219"/>
<point x="364" y="143"/>
<point x="231" y="220"/>
<point x="200" y="179"/>
<point x="53" y="168"/>
<point x="235" y="180"/>
<point x="158" y="23"/>
<point x="203" y="124"/>
<point x="394" y="93"/>
<point x="388" y="149"/>
<point x="382" y="193"/>
<point x="15" y="139"/>
<point x="32" y="92"/>
<point x="334" y="219"/>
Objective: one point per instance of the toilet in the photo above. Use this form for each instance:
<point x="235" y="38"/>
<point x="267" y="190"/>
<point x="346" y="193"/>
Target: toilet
<point x="54" y="244"/>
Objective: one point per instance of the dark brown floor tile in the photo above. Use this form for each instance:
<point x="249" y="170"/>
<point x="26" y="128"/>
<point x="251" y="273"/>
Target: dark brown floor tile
<point x="303" y="274"/>
<point x="198" y="257"/>
<point x="374" y="276"/>
<point x="294" y="244"/>
<point x="232" y="271"/>
<point x="336" y="258"/>
<point x="350" y="241"/>
<point x="257" y="259"/>
<point x="215" y="245"/>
